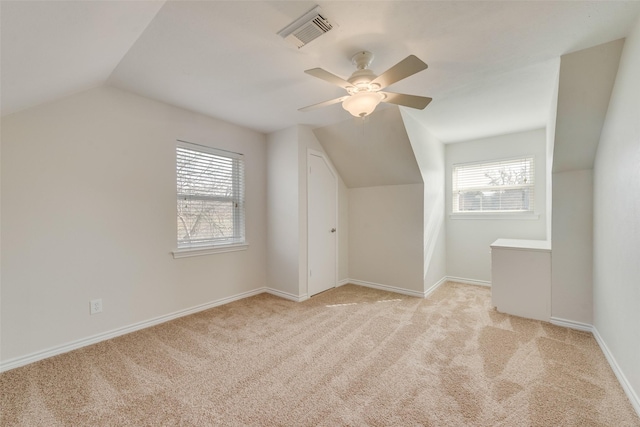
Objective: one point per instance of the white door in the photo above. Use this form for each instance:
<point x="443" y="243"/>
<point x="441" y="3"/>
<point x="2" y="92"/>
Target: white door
<point x="322" y="233"/>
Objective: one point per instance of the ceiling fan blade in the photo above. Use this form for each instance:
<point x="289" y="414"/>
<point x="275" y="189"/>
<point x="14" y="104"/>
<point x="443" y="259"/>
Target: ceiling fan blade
<point x="328" y="77"/>
<point x="412" y="101"/>
<point x="323" y="104"/>
<point x="403" y="69"/>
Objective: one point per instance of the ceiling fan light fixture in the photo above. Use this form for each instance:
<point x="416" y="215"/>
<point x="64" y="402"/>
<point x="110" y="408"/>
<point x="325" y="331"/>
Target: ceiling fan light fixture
<point x="362" y="104"/>
<point x="364" y="87"/>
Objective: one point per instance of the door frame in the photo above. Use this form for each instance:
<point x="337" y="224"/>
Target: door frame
<point x="332" y="170"/>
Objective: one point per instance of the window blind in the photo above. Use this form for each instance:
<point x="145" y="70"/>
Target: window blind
<point x="210" y="196"/>
<point x="498" y="186"/>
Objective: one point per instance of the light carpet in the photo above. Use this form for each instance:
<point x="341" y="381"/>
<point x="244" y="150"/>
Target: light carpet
<point x="350" y="356"/>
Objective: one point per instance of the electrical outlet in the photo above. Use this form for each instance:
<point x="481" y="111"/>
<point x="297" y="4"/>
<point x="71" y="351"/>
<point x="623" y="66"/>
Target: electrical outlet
<point x="95" y="306"/>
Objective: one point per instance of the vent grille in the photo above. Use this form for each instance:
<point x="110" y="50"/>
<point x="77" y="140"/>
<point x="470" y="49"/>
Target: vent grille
<point x="307" y="28"/>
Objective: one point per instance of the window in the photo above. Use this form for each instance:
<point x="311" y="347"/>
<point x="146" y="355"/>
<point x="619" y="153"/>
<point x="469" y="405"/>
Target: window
<point x="496" y="187"/>
<point x="210" y="186"/>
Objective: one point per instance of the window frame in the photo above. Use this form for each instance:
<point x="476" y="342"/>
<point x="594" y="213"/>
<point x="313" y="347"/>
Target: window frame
<point x="238" y="241"/>
<point x="496" y="214"/>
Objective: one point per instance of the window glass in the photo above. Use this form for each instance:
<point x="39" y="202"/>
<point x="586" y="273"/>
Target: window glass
<point x="210" y="196"/>
<point x="499" y="186"/>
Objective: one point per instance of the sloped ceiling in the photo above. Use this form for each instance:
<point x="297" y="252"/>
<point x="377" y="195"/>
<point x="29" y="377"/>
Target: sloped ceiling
<point x="371" y="152"/>
<point x="586" y="81"/>
<point x="53" y="49"/>
<point x="490" y="62"/>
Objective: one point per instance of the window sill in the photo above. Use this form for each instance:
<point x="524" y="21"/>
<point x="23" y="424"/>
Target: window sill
<point x="500" y="216"/>
<point x="209" y="250"/>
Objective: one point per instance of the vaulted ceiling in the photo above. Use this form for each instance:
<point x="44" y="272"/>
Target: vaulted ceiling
<point x="492" y="64"/>
<point x="373" y="152"/>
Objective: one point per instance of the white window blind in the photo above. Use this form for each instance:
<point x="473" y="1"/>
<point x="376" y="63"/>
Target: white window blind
<point x="210" y="186"/>
<point x="498" y="186"/>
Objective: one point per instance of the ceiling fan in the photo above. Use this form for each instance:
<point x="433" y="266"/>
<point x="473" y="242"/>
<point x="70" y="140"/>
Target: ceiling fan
<point x="364" y="88"/>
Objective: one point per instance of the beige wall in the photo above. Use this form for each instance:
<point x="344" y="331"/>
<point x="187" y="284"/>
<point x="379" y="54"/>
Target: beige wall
<point x="287" y="211"/>
<point x="386" y="235"/>
<point x="572" y="246"/>
<point x="586" y="79"/>
<point x="89" y="211"/>
<point x="551" y="136"/>
<point x="468" y="240"/>
<point x="283" y="255"/>
<point x="616" y="217"/>
<point x="343" y="232"/>
<point x="429" y="153"/>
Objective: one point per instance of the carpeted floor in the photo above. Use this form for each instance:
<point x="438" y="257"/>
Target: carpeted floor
<point x="350" y="356"/>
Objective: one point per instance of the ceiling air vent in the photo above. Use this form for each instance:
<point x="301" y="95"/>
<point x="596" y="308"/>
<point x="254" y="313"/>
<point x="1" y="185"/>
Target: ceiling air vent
<point x="308" y="27"/>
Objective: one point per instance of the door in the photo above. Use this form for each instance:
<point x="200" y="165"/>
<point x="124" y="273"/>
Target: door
<point x="321" y="226"/>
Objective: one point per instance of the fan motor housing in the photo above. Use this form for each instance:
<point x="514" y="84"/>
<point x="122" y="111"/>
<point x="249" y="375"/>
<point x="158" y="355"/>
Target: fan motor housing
<point x="362" y="59"/>
<point x="361" y="80"/>
<point x="361" y="76"/>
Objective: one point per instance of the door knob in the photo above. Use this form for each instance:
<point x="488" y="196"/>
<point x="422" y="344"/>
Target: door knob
<point x="333" y="230"/>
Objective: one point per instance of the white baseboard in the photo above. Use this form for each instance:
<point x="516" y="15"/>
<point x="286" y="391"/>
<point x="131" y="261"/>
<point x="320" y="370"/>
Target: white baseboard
<point x="468" y="281"/>
<point x="83" y="342"/>
<point x="571" y="324"/>
<point x="343" y="282"/>
<point x="286" y="295"/>
<point x="395" y="288"/>
<point x="622" y="379"/>
<point x="436" y="286"/>
<point x="388" y="288"/>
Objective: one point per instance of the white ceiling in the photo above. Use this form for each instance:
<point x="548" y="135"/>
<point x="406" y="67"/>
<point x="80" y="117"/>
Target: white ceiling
<point x="53" y="49"/>
<point x="492" y="65"/>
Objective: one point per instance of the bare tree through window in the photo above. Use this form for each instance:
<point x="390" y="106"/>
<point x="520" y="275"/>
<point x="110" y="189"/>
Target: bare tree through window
<point x="209" y="196"/>
<point x="501" y="186"/>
